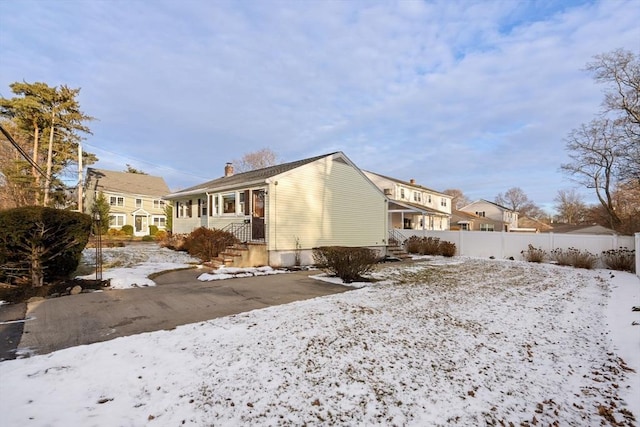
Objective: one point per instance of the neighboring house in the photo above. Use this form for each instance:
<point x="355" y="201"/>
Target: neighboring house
<point x="289" y="209"/>
<point x="134" y="199"/>
<point x="531" y="224"/>
<point x="486" y="209"/>
<point x="582" y="229"/>
<point x="412" y="206"/>
<point x="467" y="221"/>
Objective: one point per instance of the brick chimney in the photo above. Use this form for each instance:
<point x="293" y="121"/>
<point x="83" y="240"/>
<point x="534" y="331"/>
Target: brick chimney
<point x="412" y="181"/>
<point x="228" y="169"/>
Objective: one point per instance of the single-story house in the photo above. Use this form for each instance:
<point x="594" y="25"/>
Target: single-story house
<point x="135" y="199"/>
<point x="289" y="209"/>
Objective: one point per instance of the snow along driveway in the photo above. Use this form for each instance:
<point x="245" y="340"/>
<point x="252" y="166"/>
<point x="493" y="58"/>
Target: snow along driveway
<point x="477" y="342"/>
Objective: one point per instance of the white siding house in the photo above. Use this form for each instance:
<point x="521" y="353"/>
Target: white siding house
<point x="485" y="209"/>
<point x="413" y="206"/>
<point x="289" y="208"/>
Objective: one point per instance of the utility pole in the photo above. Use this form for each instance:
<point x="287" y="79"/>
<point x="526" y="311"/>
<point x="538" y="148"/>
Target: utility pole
<point x="49" y="161"/>
<point x="79" y="176"/>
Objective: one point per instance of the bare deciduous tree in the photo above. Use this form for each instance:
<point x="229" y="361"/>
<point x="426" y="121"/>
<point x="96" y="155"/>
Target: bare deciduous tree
<point x="458" y="199"/>
<point x="570" y="206"/>
<point x="594" y="150"/>
<point x="516" y="200"/>
<point x="262" y="158"/>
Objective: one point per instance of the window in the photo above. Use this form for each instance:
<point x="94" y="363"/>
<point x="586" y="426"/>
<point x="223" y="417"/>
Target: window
<point x="402" y="193"/>
<point x="189" y="209"/>
<point x="417" y="196"/>
<point x="116" y="201"/>
<point x="116" y="220"/>
<point x="158" y="204"/>
<point x="480" y="213"/>
<point x="202" y="207"/>
<point x="138" y="203"/>
<point x="229" y="203"/>
<point x="464" y="226"/>
<point x="428" y="198"/>
<point x="159" y="221"/>
<point x="443" y="202"/>
<point x="486" y="227"/>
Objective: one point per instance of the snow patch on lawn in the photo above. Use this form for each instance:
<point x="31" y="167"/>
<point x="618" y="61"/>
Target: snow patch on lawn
<point x="130" y="266"/>
<point x="224" y="273"/>
<point x="482" y="342"/>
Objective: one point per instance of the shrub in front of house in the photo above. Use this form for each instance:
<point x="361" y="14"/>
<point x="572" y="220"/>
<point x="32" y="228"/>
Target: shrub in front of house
<point x="148" y="238"/>
<point x="127" y="229"/>
<point x="206" y="243"/>
<point x="429" y="246"/>
<point x="347" y="263"/>
<point x="40" y="244"/>
<point x="575" y="258"/>
<point x="533" y="254"/>
<point x="423" y="245"/>
<point x="622" y="259"/>
<point x="160" y="235"/>
<point x="447" y="249"/>
<point x="153" y="230"/>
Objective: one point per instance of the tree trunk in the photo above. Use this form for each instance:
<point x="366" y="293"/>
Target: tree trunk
<point x="36" y="175"/>
<point x="37" y="273"/>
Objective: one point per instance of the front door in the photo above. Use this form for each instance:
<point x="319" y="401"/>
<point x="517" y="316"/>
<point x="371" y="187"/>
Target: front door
<point x="257" y="216"/>
<point x="141" y="225"/>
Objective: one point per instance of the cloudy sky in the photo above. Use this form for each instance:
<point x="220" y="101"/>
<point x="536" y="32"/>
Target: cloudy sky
<point x="474" y="95"/>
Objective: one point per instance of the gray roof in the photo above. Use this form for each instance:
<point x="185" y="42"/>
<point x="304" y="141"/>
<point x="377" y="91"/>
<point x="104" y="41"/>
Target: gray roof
<point x="399" y="181"/>
<point x="125" y="182"/>
<point x="254" y="176"/>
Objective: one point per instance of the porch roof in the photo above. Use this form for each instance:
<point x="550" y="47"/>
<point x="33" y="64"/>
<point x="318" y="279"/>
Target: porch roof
<point x="396" y="206"/>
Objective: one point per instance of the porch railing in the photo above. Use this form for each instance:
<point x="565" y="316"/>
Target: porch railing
<point x="396" y="238"/>
<point x="241" y="230"/>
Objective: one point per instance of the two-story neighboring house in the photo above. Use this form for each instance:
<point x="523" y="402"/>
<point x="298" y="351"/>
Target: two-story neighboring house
<point x="413" y="206"/>
<point x="486" y="209"/>
<point x="134" y="199"/>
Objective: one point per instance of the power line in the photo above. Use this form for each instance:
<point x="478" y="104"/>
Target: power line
<point x="22" y="152"/>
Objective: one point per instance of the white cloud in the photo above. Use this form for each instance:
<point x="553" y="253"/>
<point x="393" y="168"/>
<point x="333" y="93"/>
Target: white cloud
<point x="454" y="94"/>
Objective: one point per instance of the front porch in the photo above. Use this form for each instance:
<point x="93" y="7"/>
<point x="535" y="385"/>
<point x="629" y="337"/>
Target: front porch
<point x="410" y="216"/>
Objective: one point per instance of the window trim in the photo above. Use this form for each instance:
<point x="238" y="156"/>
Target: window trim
<point x="114" y="201"/>
<point x="115" y="216"/>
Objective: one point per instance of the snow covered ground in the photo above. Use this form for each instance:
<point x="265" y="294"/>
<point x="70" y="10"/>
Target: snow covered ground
<point x="443" y="342"/>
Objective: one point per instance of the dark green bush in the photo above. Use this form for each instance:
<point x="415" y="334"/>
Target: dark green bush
<point x="148" y="239"/>
<point x="206" y="243"/>
<point x="153" y="230"/>
<point x="621" y="259"/>
<point x="43" y="244"/>
<point x="127" y="229"/>
<point x="348" y="263"/>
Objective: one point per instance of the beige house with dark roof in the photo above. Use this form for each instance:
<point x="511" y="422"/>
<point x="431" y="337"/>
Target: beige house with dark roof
<point x="461" y="220"/>
<point x="134" y="199"/>
<point x="285" y="211"/>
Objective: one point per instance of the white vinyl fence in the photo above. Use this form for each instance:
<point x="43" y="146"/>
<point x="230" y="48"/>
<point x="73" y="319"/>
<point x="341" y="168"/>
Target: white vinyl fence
<point x="504" y="245"/>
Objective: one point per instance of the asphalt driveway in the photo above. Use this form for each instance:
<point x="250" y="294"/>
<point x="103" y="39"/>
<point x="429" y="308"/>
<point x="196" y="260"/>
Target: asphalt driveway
<point x="179" y="299"/>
